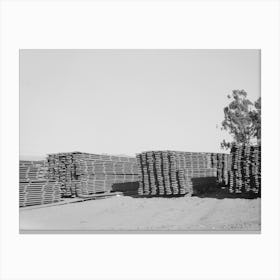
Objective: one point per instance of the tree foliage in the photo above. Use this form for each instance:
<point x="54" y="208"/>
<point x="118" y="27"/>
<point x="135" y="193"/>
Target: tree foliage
<point x="242" y="119"/>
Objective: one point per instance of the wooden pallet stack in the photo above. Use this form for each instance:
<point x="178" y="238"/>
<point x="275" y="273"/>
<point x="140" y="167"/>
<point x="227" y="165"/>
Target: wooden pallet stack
<point x="256" y="169"/>
<point x="98" y="183"/>
<point x="61" y="169"/>
<point x="199" y="172"/>
<point x="222" y="163"/>
<point x="37" y="192"/>
<point x="86" y="174"/>
<point x="35" y="187"/>
<point x="245" y="170"/>
<point x="33" y="170"/>
<point x="171" y="172"/>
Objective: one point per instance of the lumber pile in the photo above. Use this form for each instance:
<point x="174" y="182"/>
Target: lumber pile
<point x="86" y="174"/>
<point x="34" y="186"/>
<point x="171" y="172"/>
<point x="37" y="192"/>
<point x="222" y="163"/>
<point x="245" y="169"/>
<point x="33" y="170"/>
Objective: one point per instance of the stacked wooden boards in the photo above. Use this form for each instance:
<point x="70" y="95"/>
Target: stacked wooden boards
<point x="245" y="169"/>
<point x="35" y="188"/>
<point x="38" y="192"/>
<point x="222" y="163"/>
<point x="86" y="174"/>
<point x="171" y="172"/>
<point x="33" y="170"/>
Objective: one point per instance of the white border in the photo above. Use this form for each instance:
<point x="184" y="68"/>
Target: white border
<point x="155" y="24"/>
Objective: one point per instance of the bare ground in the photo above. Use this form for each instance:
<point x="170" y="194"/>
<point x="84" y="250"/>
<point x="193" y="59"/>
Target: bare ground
<point x="147" y="214"/>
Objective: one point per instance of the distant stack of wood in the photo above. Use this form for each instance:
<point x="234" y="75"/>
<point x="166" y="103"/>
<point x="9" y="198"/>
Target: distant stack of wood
<point x="86" y="174"/>
<point x="245" y="171"/>
<point x="35" y="188"/>
<point x="33" y="170"/>
<point x="38" y="192"/>
<point x="172" y="173"/>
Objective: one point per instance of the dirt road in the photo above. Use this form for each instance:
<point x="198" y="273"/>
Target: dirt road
<point x="160" y="214"/>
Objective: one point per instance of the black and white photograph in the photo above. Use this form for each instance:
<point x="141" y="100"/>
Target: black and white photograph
<point x="140" y="140"/>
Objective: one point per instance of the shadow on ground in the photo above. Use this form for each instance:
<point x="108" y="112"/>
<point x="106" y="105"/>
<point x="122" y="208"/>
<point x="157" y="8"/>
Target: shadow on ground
<point x="128" y="188"/>
<point x="208" y="187"/>
<point x="203" y="187"/>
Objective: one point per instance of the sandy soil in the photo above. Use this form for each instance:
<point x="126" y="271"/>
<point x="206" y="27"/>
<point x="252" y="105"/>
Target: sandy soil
<point x="161" y="214"/>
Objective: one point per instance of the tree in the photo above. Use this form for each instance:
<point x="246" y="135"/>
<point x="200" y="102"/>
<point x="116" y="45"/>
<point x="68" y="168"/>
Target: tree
<point x="256" y="117"/>
<point x="242" y="119"/>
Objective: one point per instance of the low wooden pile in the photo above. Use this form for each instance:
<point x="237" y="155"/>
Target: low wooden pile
<point x="35" y="188"/>
<point x="172" y="172"/>
<point x="38" y="192"/>
<point x="245" y="169"/>
<point x="33" y="170"/>
<point x="87" y="174"/>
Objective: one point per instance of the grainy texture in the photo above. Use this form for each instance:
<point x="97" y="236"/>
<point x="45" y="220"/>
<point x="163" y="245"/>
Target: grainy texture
<point x="126" y="213"/>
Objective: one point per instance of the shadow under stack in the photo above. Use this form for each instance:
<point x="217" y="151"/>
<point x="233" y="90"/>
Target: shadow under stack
<point x="82" y="174"/>
<point x="172" y="173"/>
<point x="35" y="188"/>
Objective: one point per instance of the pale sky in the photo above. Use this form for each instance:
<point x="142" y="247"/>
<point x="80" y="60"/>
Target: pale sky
<point x="128" y="101"/>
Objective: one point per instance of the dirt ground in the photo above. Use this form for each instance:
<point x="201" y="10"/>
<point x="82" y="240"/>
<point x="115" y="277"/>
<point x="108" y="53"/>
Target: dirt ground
<point x="147" y="214"/>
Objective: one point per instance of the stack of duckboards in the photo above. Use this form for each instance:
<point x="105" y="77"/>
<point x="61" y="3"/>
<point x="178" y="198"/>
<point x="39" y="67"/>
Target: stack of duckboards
<point x="101" y="182"/>
<point x="33" y="170"/>
<point x="35" y="188"/>
<point x="61" y="169"/>
<point x="222" y="163"/>
<point x="245" y="170"/>
<point x="87" y="174"/>
<point x="170" y="173"/>
<point x="37" y="192"/>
